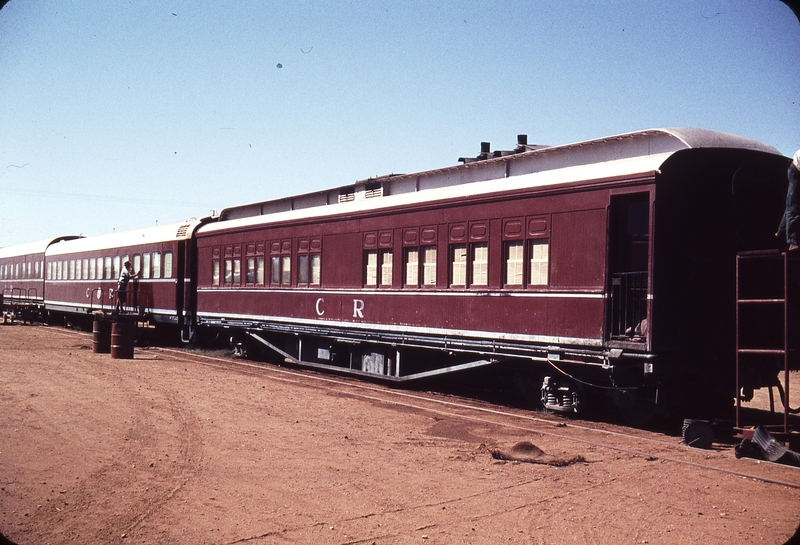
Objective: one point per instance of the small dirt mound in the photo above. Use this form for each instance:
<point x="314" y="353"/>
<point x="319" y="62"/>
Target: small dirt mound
<point x="525" y="451"/>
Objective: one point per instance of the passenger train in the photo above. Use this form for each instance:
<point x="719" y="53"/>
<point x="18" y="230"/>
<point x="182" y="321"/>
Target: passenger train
<point x="602" y="266"/>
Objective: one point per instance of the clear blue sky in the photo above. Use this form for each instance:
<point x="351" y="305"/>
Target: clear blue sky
<point x="116" y="115"/>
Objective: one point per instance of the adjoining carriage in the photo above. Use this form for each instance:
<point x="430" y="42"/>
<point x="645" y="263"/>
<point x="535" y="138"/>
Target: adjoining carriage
<point x="81" y="275"/>
<point x="607" y="265"/>
<point x="22" y="279"/>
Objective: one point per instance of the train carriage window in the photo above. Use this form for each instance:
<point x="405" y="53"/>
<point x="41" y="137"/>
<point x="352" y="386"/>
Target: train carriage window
<point x="539" y="260"/>
<point x="371" y="268"/>
<point x="260" y="271"/>
<point x="302" y="269"/>
<point x="515" y="263"/>
<point x="458" y="265"/>
<point x="92" y="267"/>
<point x="146" y="265"/>
<point x="107" y="272"/>
<point x="429" y="266"/>
<point x="386" y="267"/>
<point x="316" y="269"/>
<point x="250" y="271"/>
<point x="167" y="265"/>
<point x="78" y="269"/>
<point x="480" y="264"/>
<point x="59" y="269"/>
<point x="411" y="258"/>
<point x="28" y="272"/>
<point x="275" y="269"/>
<point x="116" y="270"/>
<point x="156" y="264"/>
<point x="137" y="263"/>
<point x="229" y="271"/>
<point x="99" y="274"/>
<point x="303" y="246"/>
<point x="215" y="266"/>
<point x="85" y="267"/>
<point x="286" y="270"/>
<point x="215" y="272"/>
<point x="237" y="272"/>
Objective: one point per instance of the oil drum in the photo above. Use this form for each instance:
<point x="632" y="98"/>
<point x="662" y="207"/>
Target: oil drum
<point x="122" y="337"/>
<point x="101" y="336"/>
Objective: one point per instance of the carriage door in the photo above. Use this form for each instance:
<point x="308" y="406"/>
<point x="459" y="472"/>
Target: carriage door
<point x="629" y="250"/>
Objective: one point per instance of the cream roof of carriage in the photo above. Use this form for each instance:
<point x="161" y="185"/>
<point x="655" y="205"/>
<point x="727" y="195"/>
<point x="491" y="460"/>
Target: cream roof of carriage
<point x="527" y="167"/>
<point x="124" y="239"/>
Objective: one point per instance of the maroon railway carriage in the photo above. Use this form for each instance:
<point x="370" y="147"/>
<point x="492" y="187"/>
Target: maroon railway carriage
<point x="81" y="275"/>
<point x="601" y="266"/>
<point x="22" y="279"/>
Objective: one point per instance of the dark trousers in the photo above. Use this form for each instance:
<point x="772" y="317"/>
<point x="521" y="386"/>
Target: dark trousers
<point x="789" y="223"/>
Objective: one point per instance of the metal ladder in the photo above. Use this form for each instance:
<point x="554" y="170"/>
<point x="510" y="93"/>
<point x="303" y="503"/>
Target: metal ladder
<point x="782" y="302"/>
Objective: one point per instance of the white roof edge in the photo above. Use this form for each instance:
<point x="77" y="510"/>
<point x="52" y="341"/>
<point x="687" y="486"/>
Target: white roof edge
<point x="123" y="239"/>
<point x="30" y="248"/>
<point x="621" y="167"/>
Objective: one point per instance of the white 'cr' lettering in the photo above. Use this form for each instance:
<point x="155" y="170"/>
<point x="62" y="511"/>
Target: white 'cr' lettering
<point x="358" y="306"/>
<point x="320" y="311"/>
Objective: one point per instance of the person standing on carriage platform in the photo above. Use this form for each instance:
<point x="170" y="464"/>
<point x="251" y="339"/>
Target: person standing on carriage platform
<point x="122" y="284"/>
<point x="790" y="223"/>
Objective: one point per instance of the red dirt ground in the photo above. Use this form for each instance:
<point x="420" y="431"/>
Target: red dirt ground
<point x="181" y="448"/>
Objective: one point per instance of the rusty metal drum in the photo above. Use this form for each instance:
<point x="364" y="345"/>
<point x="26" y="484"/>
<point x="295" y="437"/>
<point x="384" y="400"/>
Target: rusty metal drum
<point x="101" y="336"/>
<point x="122" y="337"/>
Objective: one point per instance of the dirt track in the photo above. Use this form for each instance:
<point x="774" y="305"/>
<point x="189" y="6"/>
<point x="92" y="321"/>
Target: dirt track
<point x="172" y="448"/>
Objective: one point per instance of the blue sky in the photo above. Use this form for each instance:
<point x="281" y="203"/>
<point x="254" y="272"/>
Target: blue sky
<point x="117" y="115"/>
